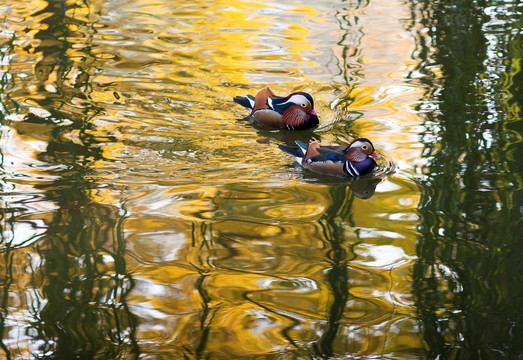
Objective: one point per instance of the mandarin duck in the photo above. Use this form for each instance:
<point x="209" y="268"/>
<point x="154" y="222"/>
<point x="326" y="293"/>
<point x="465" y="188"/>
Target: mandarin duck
<point x="291" y="112"/>
<point x="353" y="160"/>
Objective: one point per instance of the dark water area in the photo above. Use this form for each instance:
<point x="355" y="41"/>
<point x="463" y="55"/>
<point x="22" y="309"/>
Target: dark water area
<point x="143" y="217"/>
<point x="468" y="277"/>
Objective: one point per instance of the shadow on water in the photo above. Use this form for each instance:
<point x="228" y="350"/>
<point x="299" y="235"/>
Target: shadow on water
<point x="78" y="284"/>
<point x="362" y="187"/>
<point x="468" y="277"/>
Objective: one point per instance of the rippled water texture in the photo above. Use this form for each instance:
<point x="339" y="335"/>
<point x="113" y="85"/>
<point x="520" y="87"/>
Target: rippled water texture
<point x="143" y="216"/>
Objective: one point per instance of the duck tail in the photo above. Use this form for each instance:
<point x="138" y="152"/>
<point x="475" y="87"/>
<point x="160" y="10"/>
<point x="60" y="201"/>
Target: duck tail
<point x="296" y="152"/>
<point x="247" y="101"/>
<point x="292" y="150"/>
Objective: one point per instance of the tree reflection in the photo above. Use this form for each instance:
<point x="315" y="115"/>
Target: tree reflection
<point x="78" y="272"/>
<point x="338" y="275"/>
<point x="6" y="278"/>
<point x="467" y="279"/>
<point x="7" y="216"/>
<point x="349" y="65"/>
<point x="354" y="324"/>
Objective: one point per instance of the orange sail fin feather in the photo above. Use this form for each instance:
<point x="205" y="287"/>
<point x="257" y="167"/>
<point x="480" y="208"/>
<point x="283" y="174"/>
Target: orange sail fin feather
<point x="260" y="100"/>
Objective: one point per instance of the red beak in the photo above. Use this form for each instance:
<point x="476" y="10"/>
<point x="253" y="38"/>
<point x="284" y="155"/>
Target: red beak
<point x="312" y="112"/>
<point x="374" y="154"/>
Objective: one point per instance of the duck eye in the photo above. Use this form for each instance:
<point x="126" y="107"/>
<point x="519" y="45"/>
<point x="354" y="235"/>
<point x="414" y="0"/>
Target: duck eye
<point x="303" y="105"/>
<point x="364" y="147"/>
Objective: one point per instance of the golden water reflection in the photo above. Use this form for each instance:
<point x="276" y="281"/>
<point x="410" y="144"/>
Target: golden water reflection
<point x="251" y="266"/>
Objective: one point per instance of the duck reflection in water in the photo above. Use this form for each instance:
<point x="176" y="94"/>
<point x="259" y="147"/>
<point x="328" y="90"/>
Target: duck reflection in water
<point x="364" y="188"/>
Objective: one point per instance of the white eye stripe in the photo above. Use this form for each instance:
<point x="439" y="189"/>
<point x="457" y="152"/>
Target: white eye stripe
<point x="298" y="99"/>
<point x="360" y="144"/>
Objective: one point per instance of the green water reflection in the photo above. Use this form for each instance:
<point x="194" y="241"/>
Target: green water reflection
<point x="141" y="217"/>
<point x="467" y="279"/>
<point x="75" y="279"/>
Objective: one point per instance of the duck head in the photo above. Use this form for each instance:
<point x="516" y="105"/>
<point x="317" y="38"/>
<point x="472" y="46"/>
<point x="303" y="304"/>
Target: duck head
<point x="297" y="111"/>
<point x="359" y="150"/>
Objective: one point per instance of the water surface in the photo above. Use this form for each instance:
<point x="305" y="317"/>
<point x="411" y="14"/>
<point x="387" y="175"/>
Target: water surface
<point x="144" y="217"/>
